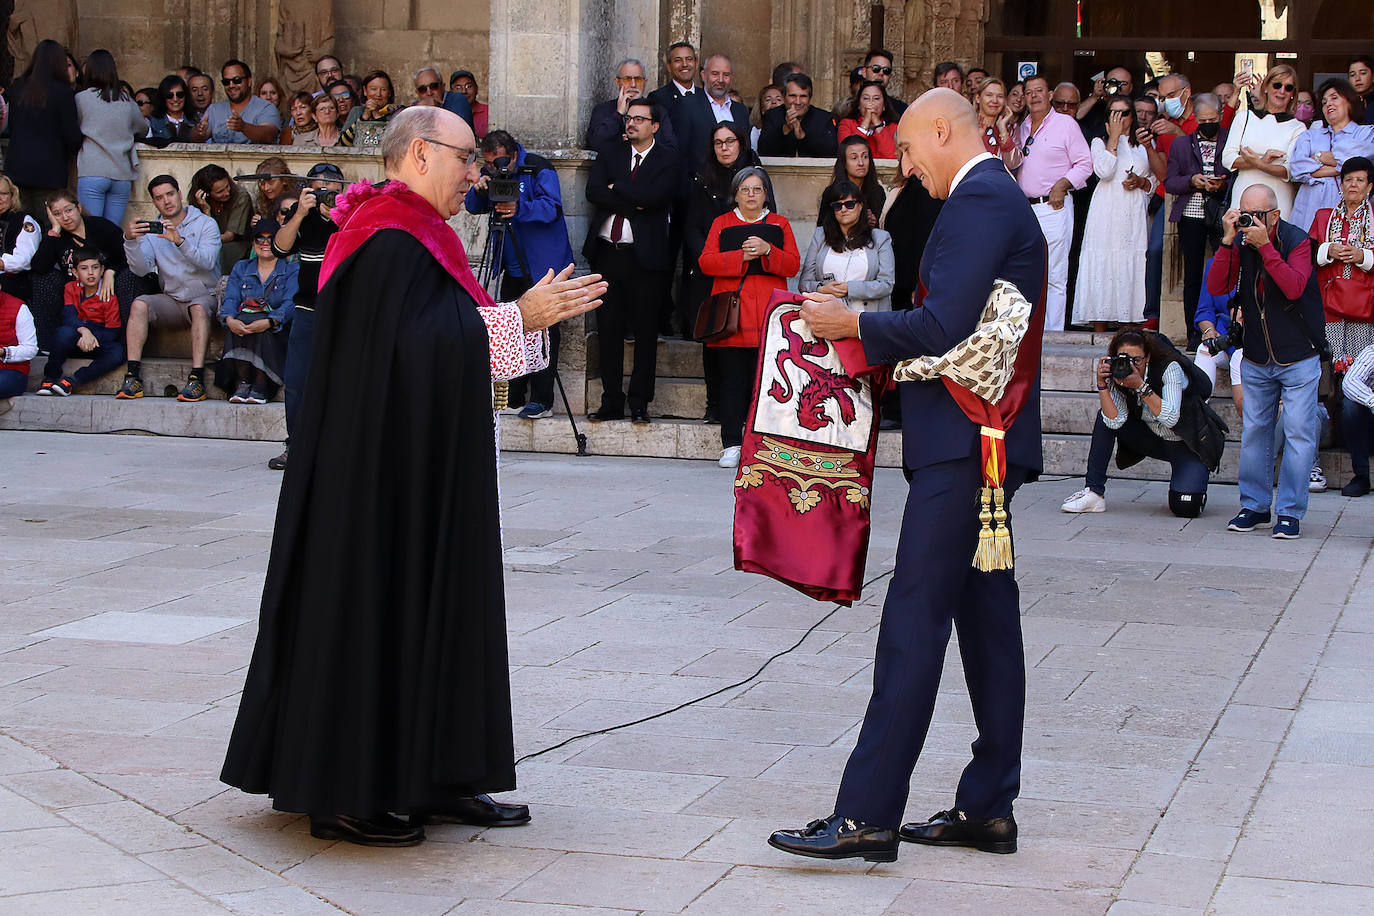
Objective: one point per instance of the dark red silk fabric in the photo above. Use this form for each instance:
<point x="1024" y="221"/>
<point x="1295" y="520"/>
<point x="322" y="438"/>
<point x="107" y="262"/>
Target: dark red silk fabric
<point x="802" y="505"/>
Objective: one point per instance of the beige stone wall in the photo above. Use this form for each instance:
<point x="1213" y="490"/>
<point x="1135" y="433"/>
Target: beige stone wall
<point x="400" y="36"/>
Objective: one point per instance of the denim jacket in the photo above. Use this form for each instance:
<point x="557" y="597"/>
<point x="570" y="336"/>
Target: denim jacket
<point x="278" y="293"/>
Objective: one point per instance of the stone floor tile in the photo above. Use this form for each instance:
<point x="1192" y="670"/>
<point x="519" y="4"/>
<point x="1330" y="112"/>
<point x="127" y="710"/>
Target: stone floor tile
<point x="1240" y="896"/>
<point x="756" y="890"/>
<point x="1039" y="863"/>
<point x="278" y="901"/>
<point x="114" y="715"/>
<point x="211" y="870"/>
<point x="63" y="858"/>
<point x="132" y="827"/>
<point x="922" y="897"/>
<point x="58" y="789"/>
<point x="450" y="870"/>
<point x="139" y="899"/>
<point x="702" y="757"/>
<point x="1260" y="723"/>
<point x="1172" y="880"/>
<point x="569" y="784"/>
<point x="162" y="629"/>
<point x="610" y="830"/>
<point x="625" y="882"/>
<point x="18" y="813"/>
<point x="16" y="758"/>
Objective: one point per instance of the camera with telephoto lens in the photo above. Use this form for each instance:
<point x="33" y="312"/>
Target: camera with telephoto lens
<point x="1111" y="86"/>
<point x="1122" y="367"/>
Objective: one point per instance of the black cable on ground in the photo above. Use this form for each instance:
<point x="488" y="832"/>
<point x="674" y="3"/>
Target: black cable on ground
<point x="658" y="715"/>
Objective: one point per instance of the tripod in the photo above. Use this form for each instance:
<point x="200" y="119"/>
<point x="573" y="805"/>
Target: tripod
<point x="491" y="271"/>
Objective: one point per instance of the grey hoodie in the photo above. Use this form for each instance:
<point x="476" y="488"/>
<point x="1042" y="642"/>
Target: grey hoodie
<point x="184" y="272"/>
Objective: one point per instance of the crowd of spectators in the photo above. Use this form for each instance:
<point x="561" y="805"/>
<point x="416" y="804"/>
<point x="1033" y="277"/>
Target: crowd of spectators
<point x="677" y="190"/>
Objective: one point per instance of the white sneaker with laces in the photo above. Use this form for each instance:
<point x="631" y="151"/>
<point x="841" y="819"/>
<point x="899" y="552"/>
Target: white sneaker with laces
<point x="729" y="458"/>
<point x="1085" y="500"/>
<point x="1316" y="481"/>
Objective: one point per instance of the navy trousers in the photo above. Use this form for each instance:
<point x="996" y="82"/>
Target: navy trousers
<point x="105" y="358"/>
<point x="297" y="361"/>
<point x="934" y="588"/>
<point x="13" y="383"/>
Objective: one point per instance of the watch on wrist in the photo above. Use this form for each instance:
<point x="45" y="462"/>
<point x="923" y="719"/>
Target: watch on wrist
<point x="1144" y="391"/>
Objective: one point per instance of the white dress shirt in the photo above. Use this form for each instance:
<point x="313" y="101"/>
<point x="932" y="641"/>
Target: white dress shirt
<point x="627" y="234"/>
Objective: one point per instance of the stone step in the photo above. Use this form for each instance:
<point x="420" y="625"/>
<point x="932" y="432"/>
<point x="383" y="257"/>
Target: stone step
<point x="87" y="413"/>
<point x="1067" y="455"/>
<point x="677" y="358"/>
<point x="1076" y="412"/>
<point x="161" y="378"/>
<point x="674" y="398"/>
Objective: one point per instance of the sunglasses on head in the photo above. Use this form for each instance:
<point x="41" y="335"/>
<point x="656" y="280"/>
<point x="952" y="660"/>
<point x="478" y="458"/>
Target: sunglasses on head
<point x="429" y="87"/>
<point x="232" y="80"/>
<point x="839" y="205"/>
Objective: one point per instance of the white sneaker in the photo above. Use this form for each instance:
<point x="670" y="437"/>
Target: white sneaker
<point x="1316" y="481"/>
<point x="730" y="457"/>
<point x="1085" y="500"/>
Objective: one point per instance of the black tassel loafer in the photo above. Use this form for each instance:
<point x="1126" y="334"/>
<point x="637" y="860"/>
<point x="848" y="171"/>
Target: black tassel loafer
<point x="477" y="811"/>
<point x="377" y="830"/>
<point x="955" y="828"/>
<point x="837" y="837"/>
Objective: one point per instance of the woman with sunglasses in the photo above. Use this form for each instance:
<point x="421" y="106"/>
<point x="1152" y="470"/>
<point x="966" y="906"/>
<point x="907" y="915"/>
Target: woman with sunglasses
<point x="146" y="100"/>
<point x="1323" y="148"/>
<point x="259" y="300"/>
<point x="750" y="249"/>
<point x="709" y="198"/>
<point x="1144" y="389"/>
<point x="1260" y="141"/>
<point x="172" y="119"/>
<point x="848" y="258"/>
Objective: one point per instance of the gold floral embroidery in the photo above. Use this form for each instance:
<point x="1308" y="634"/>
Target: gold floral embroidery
<point x="809" y="469"/>
<point x="804" y="500"/>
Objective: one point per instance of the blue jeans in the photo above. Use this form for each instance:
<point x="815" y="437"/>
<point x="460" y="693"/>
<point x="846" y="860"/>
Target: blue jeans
<point x="1154" y="263"/>
<point x="1265" y="387"/>
<point x="298" y="345"/>
<point x="1187" y="475"/>
<point x="104" y="197"/>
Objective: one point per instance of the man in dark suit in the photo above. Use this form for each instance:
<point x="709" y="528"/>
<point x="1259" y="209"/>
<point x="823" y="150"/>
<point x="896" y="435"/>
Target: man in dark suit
<point x="798" y="128"/>
<point x="985" y="231"/>
<point x="606" y="127"/>
<point x="681" y="61"/>
<point x="699" y="113"/>
<point x="631" y="187"/>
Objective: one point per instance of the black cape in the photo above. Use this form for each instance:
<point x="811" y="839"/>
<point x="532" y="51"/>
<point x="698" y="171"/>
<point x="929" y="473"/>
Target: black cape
<point x="379" y="681"/>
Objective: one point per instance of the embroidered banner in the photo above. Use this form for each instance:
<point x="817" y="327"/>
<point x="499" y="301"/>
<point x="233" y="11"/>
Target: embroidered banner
<point x="803" y="490"/>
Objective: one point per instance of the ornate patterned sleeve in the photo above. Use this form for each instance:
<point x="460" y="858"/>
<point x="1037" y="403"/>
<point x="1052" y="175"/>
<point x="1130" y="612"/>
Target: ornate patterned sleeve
<point x="514" y="351"/>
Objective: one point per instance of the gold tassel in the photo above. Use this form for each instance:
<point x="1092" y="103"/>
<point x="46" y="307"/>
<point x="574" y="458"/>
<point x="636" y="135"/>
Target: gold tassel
<point x="500" y="395"/>
<point x="1002" y="549"/>
<point x="985" y="557"/>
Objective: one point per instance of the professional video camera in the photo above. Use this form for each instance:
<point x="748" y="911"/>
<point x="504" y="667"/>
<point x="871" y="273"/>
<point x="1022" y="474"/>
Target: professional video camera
<point x="503" y="181"/>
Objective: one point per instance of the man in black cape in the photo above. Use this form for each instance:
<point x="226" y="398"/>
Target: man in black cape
<point x="379" y="683"/>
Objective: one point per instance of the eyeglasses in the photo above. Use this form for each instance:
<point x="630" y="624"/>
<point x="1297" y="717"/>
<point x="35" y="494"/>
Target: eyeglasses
<point x="637" y="119"/>
<point x="337" y="71"/>
<point x="880" y="71"/>
<point x="468" y="156"/>
<point x="839" y="205"/>
<point x="232" y="80"/>
<point x="1286" y="87"/>
<point x="1135" y="360"/>
<point x="1064" y="104"/>
<point x="632" y="80"/>
<point x="725" y="141"/>
<point x="175" y="95"/>
<point x="429" y="87"/>
<point x="1259" y="215"/>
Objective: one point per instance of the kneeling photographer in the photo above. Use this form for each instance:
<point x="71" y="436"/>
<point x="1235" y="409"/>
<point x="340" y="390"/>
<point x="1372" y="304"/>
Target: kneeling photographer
<point x="1153" y="405"/>
<point x="520" y="190"/>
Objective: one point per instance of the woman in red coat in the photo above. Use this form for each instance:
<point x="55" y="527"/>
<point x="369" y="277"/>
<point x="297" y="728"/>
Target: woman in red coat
<point x="750" y="249"/>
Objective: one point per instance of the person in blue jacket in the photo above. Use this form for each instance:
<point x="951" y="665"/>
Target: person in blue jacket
<point x="259" y="301"/>
<point x="538" y="236"/>
<point x="1213" y="319"/>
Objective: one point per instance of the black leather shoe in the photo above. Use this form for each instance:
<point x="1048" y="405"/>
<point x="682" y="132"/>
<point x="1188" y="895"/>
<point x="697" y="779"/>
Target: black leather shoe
<point x="838" y="837"/>
<point x="639" y="415"/>
<point x="279" y="463"/>
<point x="955" y="828"/>
<point x="711" y="417"/>
<point x="378" y="830"/>
<point x="602" y="415"/>
<point x="477" y="811"/>
<point x="1358" y="486"/>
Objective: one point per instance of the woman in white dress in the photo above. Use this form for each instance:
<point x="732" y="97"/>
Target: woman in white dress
<point x="1260" y="141"/>
<point x="1111" y="268"/>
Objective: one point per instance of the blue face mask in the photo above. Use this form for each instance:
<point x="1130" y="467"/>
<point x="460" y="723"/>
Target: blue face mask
<point x="1173" y="107"/>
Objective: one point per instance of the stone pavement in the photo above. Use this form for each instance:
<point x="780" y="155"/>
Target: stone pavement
<point x="1200" y="731"/>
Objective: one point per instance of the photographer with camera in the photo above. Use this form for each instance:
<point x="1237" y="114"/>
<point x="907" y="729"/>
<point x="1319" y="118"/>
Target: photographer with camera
<point x="1269" y="263"/>
<point x="520" y="189"/>
<point x="306" y="232"/>
<point x="1153" y="405"/>
<point x="1116" y="83"/>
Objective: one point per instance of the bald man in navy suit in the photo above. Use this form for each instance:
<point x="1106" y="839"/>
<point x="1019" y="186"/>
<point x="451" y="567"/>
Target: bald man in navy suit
<point x="985" y="231"/>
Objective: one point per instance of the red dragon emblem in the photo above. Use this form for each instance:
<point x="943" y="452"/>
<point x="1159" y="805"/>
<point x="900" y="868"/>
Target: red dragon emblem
<point x="822" y="385"/>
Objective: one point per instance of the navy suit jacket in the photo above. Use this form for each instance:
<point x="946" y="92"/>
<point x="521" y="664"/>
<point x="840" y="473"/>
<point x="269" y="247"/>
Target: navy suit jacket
<point x="606" y="129"/>
<point x="695" y="121"/>
<point x="985" y="230"/>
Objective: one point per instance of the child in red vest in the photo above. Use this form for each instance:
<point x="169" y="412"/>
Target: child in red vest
<point x="18" y="345"/>
<point x="90" y="326"/>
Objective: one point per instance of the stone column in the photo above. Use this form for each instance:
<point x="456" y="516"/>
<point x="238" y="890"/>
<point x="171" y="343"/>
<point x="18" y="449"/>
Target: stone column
<point x="552" y="60"/>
